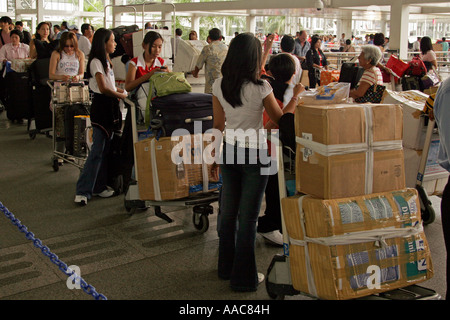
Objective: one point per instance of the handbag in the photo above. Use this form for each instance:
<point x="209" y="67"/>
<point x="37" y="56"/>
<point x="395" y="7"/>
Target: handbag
<point x="374" y="94"/>
<point x="165" y="83"/>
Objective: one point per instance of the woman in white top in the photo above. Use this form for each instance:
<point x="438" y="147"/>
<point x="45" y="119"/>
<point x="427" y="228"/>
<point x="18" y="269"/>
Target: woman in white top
<point x="240" y="98"/>
<point x="368" y="59"/>
<point x="15" y="49"/>
<point x="105" y="117"/>
<point x="67" y="61"/>
<point x="428" y="56"/>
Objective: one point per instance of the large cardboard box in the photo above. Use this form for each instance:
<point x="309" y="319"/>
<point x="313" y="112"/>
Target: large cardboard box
<point x="349" y="150"/>
<point x="161" y="177"/>
<point x="341" y="249"/>
<point x="412" y="103"/>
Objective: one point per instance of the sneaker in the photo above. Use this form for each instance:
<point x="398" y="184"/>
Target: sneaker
<point x="82" y="200"/>
<point x="274" y="237"/>
<point x="260" y="277"/>
<point x="108" y="192"/>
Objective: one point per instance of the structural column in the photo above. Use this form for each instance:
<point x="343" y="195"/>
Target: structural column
<point x="398" y="36"/>
<point x="251" y="22"/>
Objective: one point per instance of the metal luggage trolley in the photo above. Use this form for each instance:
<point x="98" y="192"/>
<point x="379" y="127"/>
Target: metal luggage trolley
<point x="278" y="280"/>
<point x="201" y="203"/>
<point x="428" y="214"/>
<point x="66" y="97"/>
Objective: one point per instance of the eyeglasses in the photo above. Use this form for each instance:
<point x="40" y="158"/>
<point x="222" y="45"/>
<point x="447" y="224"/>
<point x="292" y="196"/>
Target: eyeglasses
<point x="69" y="46"/>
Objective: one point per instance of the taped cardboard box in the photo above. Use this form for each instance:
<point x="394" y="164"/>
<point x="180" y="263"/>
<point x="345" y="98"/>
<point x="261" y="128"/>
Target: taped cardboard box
<point x="161" y="178"/>
<point x="412" y="103"/>
<point x="349" y="150"/>
<point x="335" y="244"/>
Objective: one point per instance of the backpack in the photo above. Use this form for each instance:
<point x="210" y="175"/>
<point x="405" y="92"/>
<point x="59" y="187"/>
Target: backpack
<point x="416" y="67"/>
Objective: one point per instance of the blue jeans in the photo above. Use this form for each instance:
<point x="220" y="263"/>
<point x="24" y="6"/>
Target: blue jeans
<point x="94" y="176"/>
<point x="241" y="196"/>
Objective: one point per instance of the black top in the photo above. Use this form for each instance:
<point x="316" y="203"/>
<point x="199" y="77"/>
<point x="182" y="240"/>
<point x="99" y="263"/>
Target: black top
<point x="312" y="57"/>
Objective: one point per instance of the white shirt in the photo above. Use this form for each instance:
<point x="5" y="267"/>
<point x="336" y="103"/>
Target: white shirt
<point x="67" y="65"/>
<point x="250" y="114"/>
<point x="97" y="67"/>
<point x="84" y="45"/>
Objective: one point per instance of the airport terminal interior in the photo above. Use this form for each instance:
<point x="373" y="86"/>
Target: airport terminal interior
<point x="127" y="252"/>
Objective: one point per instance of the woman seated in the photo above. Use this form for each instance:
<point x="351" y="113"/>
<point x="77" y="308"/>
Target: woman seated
<point x="141" y="68"/>
<point x="41" y="46"/>
<point x="15" y="49"/>
<point x="368" y="59"/>
<point x="428" y="56"/>
<point x="67" y="61"/>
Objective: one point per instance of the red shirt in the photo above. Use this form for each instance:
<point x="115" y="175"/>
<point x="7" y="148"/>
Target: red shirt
<point x="141" y="67"/>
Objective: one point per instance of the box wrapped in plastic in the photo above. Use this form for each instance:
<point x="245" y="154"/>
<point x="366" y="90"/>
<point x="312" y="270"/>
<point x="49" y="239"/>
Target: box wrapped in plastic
<point x="354" y="247"/>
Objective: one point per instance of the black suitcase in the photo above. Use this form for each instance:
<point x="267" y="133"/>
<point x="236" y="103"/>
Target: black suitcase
<point x="411" y="83"/>
<point x="41" y="94"/>
<point x="351" y="73"/>
<point x="70" y="111"/>
<point x="181" y="111"/>
<point x="18" y="99"/>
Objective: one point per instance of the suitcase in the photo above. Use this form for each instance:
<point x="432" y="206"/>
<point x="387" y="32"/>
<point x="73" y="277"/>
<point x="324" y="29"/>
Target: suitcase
<point x="351" y="73"/>
<point x="181" y="111"/>
<point x="41" y="93"/>
<point x="411" y="83"/>
<point x="119" y="33"/>
<point x="70" y="112"/>
<point x="18" y="100"/>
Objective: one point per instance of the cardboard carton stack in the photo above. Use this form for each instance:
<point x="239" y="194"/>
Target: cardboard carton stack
<point x="354" y="213"/>
<point x="414" y="133"/>
<point x="162" y="178"/>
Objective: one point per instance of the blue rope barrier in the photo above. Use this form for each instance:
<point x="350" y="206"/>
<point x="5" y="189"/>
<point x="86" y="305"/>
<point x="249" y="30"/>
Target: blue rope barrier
<point x="89" y="289"/>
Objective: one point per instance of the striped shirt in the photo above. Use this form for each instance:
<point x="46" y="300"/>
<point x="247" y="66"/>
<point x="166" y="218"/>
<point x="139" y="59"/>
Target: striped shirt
<point x="372" y="76"/>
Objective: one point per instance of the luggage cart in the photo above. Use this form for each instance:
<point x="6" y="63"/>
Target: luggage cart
<point x="60" y="107"/>
<point x="278" y="279"/>
<point x="201" y="203"/>
<point x="428" y="214"/>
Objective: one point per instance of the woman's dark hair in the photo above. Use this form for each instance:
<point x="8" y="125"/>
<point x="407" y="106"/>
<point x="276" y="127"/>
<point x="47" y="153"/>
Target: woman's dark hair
<point x="379" y="39"/>
<point x="425" y="45"/>
<point x="348" y="42"/>
<point x="37" y="35"/>
<point x="287" y="44"/>
<point x="282" y="67"/>
<point x="150" y="38"/>
<point x="242" y="64"/>
<point x="18" y="33"/>
<point x="314" y="40"/>
<point x="98" y="50"/>
<point x="67" y="36"/>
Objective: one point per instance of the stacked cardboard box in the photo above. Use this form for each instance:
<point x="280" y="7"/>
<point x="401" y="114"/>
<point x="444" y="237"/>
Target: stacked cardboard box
<point x="348" y="150"/>
<point x="414" y="134"/>
<point x="354" y="215"/>
<point x="335" y="244"/>
<point x="162" y="177"/>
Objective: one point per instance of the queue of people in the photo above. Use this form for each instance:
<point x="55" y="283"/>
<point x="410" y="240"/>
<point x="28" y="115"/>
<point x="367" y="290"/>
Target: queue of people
<point x="246" y="95"/>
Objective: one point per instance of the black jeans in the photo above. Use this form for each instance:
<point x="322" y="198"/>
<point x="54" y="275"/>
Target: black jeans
<point x="445" y="216"/>
<point x="241" y="196"/>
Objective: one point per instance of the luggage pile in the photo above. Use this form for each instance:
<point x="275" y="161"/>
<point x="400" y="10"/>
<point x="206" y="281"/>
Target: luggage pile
<point x="355" y="229"/>
<point x="178" y="119"/>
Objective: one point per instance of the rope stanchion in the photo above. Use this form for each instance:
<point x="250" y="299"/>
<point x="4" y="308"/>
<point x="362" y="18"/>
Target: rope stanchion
<point x="89" y="289"/>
